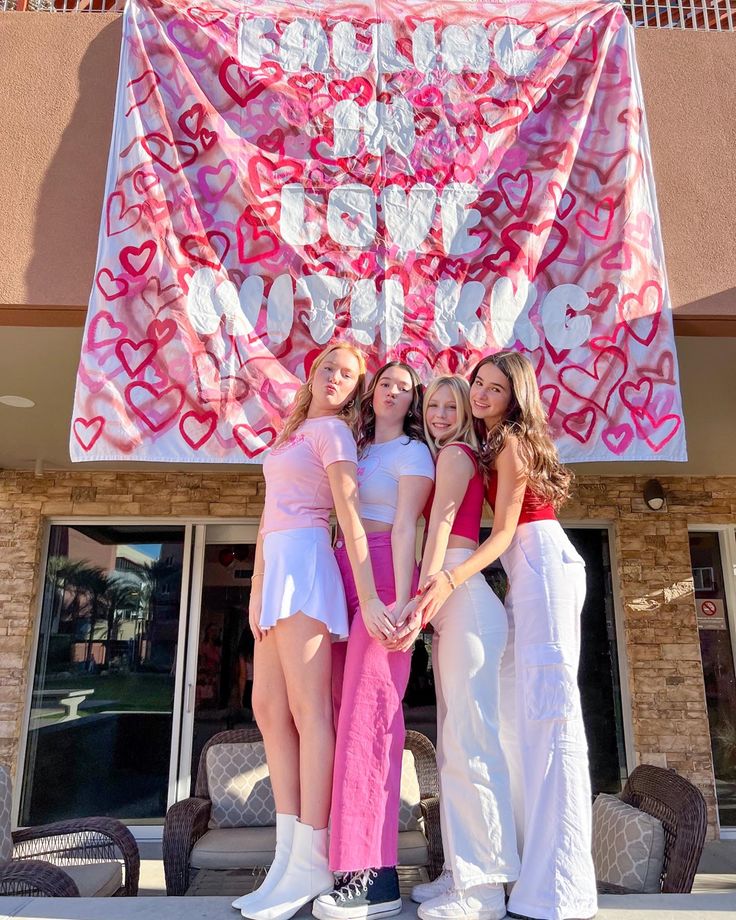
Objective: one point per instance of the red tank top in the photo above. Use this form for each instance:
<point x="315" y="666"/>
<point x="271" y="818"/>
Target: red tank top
<point x="467" y="519"/>
<point x="533" y="508"/>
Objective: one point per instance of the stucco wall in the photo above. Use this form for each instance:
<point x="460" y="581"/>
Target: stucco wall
<point x="58" y="76"/>
<point x="662" y="648"/>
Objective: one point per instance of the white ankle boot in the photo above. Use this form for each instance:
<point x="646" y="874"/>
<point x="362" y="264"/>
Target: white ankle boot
<point x="285" y="825"/>
<point x="306" y="876"/>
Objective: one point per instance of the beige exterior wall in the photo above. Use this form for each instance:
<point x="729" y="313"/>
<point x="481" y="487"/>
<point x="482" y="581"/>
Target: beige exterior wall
<point x="58" y="75"/>
<point x="665" y="678"/>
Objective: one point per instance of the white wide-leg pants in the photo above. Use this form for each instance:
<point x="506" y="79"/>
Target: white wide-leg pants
<point x="477" y="818"/>
<point x="542" y="730"/>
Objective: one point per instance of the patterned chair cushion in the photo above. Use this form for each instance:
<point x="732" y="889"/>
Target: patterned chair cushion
<point x="410" y="812"/>
<point x="628" y="845"/>
<point x="6" y="798"/>
<point x="240" y="787"/>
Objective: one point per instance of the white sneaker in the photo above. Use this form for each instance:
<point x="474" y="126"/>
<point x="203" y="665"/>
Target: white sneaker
<point x="428" y="890"/>
<point x="482" y="902"/>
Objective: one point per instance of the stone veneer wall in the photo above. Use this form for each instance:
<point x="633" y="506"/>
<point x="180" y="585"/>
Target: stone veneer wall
<point x="651" y="552"/>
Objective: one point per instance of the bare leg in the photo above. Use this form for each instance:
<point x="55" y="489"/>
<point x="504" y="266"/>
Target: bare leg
<point x="272" y="713"/>
<point x="305" y="653"/>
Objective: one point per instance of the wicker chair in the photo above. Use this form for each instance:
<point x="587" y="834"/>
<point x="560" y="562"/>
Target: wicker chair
<point x="82" y="857"/>
<point x="681" y="808"/>
<point x="188" y="821"/>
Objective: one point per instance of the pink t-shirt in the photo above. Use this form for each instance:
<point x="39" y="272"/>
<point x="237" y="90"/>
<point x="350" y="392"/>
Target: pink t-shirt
<point x="297" y="488"/>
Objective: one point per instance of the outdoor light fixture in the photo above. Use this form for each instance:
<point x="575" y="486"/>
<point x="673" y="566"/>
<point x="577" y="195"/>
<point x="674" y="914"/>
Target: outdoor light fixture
<point x="654" y="494"/>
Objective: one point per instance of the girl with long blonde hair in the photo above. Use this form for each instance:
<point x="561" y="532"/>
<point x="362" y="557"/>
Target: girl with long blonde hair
<point x="470" y="631"/>
<point x="297" y="604"/>
<point x="541" y="718"/>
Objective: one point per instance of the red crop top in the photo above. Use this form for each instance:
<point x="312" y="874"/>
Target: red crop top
<point x="467" y="519"/>
<point x="533" y="508"/>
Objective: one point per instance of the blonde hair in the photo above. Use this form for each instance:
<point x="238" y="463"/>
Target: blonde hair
<point x="350" y="410"/>
<point x="526" y="421"/>
<point x="464" y="432"/>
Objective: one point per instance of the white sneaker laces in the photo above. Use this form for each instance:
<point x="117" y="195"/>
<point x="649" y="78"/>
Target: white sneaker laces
<point x="357" y="884"/>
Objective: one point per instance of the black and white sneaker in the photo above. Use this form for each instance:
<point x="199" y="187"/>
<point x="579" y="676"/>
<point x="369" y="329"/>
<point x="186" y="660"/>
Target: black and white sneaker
<point x="370" y="893"/>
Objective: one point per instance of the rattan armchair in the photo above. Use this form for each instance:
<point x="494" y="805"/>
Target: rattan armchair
<point x="73" y="858"/>
<point x="681" y="808"/>
<point x="188" y="821"/>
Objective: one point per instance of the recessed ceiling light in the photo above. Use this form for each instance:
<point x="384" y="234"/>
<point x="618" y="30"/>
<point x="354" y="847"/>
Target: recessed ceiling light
<point x="17" y="402"/>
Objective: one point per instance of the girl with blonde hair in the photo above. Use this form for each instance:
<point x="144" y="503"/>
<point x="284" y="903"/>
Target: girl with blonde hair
<point x="541" y="719"/>
<point x="297" y="604"/>
<point x="469" y="638"/>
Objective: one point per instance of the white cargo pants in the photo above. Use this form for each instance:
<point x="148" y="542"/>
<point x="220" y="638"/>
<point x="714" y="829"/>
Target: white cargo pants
<point x="542" y="730"/>
<point x="475" y="798"/>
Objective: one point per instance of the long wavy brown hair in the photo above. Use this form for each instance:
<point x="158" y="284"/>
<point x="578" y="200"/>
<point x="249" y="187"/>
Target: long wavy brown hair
<point x="464" y="432"/>
<point x="413" y="427"/>
<point x="525" y="420"/>
<point x="350" y="410"/>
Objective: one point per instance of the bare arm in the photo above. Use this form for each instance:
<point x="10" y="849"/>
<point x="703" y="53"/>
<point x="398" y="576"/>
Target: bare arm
<point x="344" y="486"/>
<point x="454" y="472"/>
<point x="413" y="494"/>
<point x="256" y="588"/>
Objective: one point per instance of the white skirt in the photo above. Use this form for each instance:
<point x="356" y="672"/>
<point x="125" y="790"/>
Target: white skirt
<point x="301" y="574"/>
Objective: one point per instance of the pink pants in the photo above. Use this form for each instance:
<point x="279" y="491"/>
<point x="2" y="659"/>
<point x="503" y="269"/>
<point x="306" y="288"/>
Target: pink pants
<point x="368" y="685"/>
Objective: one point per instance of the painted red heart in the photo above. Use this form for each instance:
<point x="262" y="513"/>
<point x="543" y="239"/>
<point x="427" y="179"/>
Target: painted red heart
<point x="134" y="356"/>
<point x="137" y="259"/>
<point x="197" y="427"/>
<point x="580" y="424"/>
<point x="309" y="83"/>
<point x="656" y="432"/>
<point x="617" y="437"/>
<point x="205" y="16"/>
<point x="597" y="224"/>
<point x="596" y="386"/>
<point x="157" y="209"/>
<point x="586" y="46"/>
<point x="618" y="257"/>
<point x="603" y="341"/>
<point x="154" y="407"/>
<point x="516" y="190"/>
<point x="143" y="181"/>
<point x="161" y="331"/>
<point x="499" y="114"/>
<point x="118" y="217"/>
<point x="517" y="239"/>
<point x="664" y="369"/>
<point x="267" y="178"/>
<point x="104" y="330"/>
<point x="550" y="396"/>
<point x="241" y="84"/>
<point x="358" y="89"/>
<point x="209" y="249"/>
<point x="172" y="155"/>
<point x="254" y="244"/>
<point x="247" y="437"/>
<point x="636" y="396"/>
<point x="470" y="134"/>
<point x="157" y="298"/>
<point x="641" y="312"/>
<point x="207" y="137"/>
<point x="191" y="121"/>
<point x="110" y="286"/>
<point x="142" y="88"/>
<point x="564" y="200"/>
<point x="88" y="431"/>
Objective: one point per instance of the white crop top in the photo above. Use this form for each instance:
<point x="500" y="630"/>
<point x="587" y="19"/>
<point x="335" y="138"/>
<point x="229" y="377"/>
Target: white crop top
<point x="379" y="471"/>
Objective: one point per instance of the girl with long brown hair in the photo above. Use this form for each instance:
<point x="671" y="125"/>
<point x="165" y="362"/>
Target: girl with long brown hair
<point x="297" y="604"/>
<point x="542" y="727"/>
<point x="395" y="474"/>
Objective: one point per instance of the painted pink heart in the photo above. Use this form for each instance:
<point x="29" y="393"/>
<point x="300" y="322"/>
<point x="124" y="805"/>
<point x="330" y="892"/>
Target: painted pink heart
<point x="516" y="190"/>
<point x="656" y="432"/>
<point x="617" y="437"/>
<point x="157" y="298"/>
<point x="172" y="155"/>
<point x="580" y="424"/>
<point x="641" y="312"/>
<point x="118" y="217"/>
<point x="253" y="441"/>
<point x="197" y="427"/>
<point x="499" y="114"/>
<point x="636" y="396"/>
<point x="137" y="259"/>
<point x="134" y="356"/>
<point x="596" y="386"/>
<point x="209" y="249"/>
<point x="618" y="257"/>
<point x="214" y="181"/>
<point x="663" y="399"/>
<point x="110" y="286"/>
<point x="664" y="368"/>
<point x="154" y="407"/>
<point x="597" y="224"/>
<point x="161" y="331"/>
<point x="104" y="330"/>
<point x="88" y="431"/>
<point x="564" y="200"/>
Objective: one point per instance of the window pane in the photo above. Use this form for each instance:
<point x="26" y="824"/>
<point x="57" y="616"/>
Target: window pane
<point x="718" y="667"/>
<point x="101" y="713"/>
